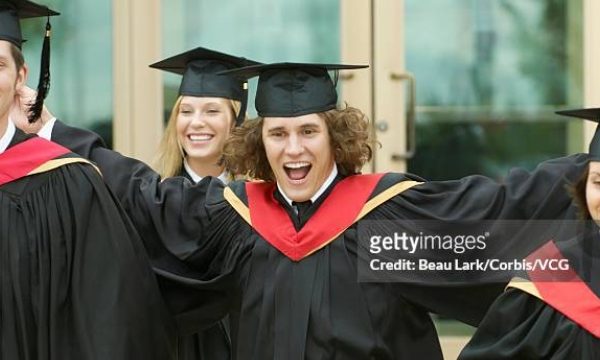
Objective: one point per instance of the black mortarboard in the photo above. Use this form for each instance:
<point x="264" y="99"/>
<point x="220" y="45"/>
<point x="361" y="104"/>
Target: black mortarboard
<point x="10" y="30"/>
<point x="13" y="10"/>
<point x="293" y="89"/>
<point x="201" y="70"/>
<point x="592" y="114"/>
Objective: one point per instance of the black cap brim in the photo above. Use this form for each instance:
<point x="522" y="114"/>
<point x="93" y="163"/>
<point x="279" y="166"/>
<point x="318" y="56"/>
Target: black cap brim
<point x="592" y="114"/>
<point x="12" y="11"/>
<point x="27" y="9"/>
<point x="177" y="64"/>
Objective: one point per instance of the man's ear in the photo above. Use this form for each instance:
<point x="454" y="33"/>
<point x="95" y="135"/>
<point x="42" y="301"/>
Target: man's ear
<point x="22" y="77"/>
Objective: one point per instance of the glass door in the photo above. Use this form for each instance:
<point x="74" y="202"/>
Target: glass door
<point x="490" y="74"/>
<point x="460" y="87"/>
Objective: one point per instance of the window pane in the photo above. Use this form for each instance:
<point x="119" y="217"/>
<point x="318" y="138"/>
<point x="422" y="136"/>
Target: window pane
<point x="490" y="74"/>
<point x="291" y="30"/>
<point x="81" y="62"/>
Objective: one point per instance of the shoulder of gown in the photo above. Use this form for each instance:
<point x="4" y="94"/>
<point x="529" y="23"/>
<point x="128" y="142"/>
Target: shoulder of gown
<point x="521" y="326"/>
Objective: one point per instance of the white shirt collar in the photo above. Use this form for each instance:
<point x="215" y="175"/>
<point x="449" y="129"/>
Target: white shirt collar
<point x="319" y="192"/>
<point x="224" y="177"/>
<point x="46" y="130"/>
<point x="8" y="136"/>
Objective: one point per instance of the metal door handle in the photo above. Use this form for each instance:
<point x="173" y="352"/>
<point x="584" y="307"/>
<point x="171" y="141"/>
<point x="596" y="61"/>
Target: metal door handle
<point x="411" y="138"/>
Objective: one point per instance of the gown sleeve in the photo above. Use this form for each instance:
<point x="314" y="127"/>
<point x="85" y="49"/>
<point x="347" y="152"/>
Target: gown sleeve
<point x="537" y="195"/>
<point x="522" y="195"/>
<point x="81" y="286"/>
<point x="175" y="209"/>
<point x="521" y="326"/>
<point x="180" y="223"/>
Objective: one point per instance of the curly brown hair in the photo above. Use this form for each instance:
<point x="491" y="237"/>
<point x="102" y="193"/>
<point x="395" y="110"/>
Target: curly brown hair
<point x="577" y="192"/>
<point x="350" y="137"/>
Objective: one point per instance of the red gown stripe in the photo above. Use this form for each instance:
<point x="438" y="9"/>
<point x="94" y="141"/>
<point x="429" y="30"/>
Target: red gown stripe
<point x="338" y="212"/>
<point x="565" y="291"/>
<point x="18" y="161"/>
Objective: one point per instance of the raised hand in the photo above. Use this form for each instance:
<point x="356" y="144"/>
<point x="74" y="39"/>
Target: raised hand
<point x="20" y="109"/>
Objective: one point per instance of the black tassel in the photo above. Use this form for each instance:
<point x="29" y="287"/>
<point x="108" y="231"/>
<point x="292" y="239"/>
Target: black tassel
<point x="35" y="109"/>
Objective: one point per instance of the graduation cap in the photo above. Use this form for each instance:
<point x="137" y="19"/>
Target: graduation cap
<point x="592" y="114"/>
<point x="201" y="69"/>
<point x="11" y="11"/>
<point x="293" y="89"/>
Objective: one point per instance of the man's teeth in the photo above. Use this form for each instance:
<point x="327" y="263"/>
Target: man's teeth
<point x="297" y="165"/>
<point x="202" y="137"/>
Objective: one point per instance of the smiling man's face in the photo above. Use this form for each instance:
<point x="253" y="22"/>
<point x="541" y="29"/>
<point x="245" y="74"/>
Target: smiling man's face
<point x="299" y="152"/>
<point x="11" y="79"/>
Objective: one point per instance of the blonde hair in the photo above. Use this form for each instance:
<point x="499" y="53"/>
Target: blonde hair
<point x="170" y="155"/>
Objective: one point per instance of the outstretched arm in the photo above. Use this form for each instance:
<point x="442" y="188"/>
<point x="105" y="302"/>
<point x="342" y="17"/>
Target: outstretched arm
<point x="522" y="195"/>
<point x="177" y="220"/>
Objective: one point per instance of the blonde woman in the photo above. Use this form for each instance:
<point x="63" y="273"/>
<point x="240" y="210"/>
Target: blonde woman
<point x="209" y="106"/>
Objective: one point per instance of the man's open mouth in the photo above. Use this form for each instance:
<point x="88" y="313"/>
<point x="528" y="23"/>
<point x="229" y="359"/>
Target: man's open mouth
<point x="297" y="171"/>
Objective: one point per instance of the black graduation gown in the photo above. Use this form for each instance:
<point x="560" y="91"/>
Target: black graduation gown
<point x="75" y="281"/>
<point x="312" y="307"/>
<point x="212" y="343"/>
<point x="560" y="323"/>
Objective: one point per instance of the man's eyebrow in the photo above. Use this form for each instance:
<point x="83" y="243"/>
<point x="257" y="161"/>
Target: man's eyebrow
<point x="309" y="125"/>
